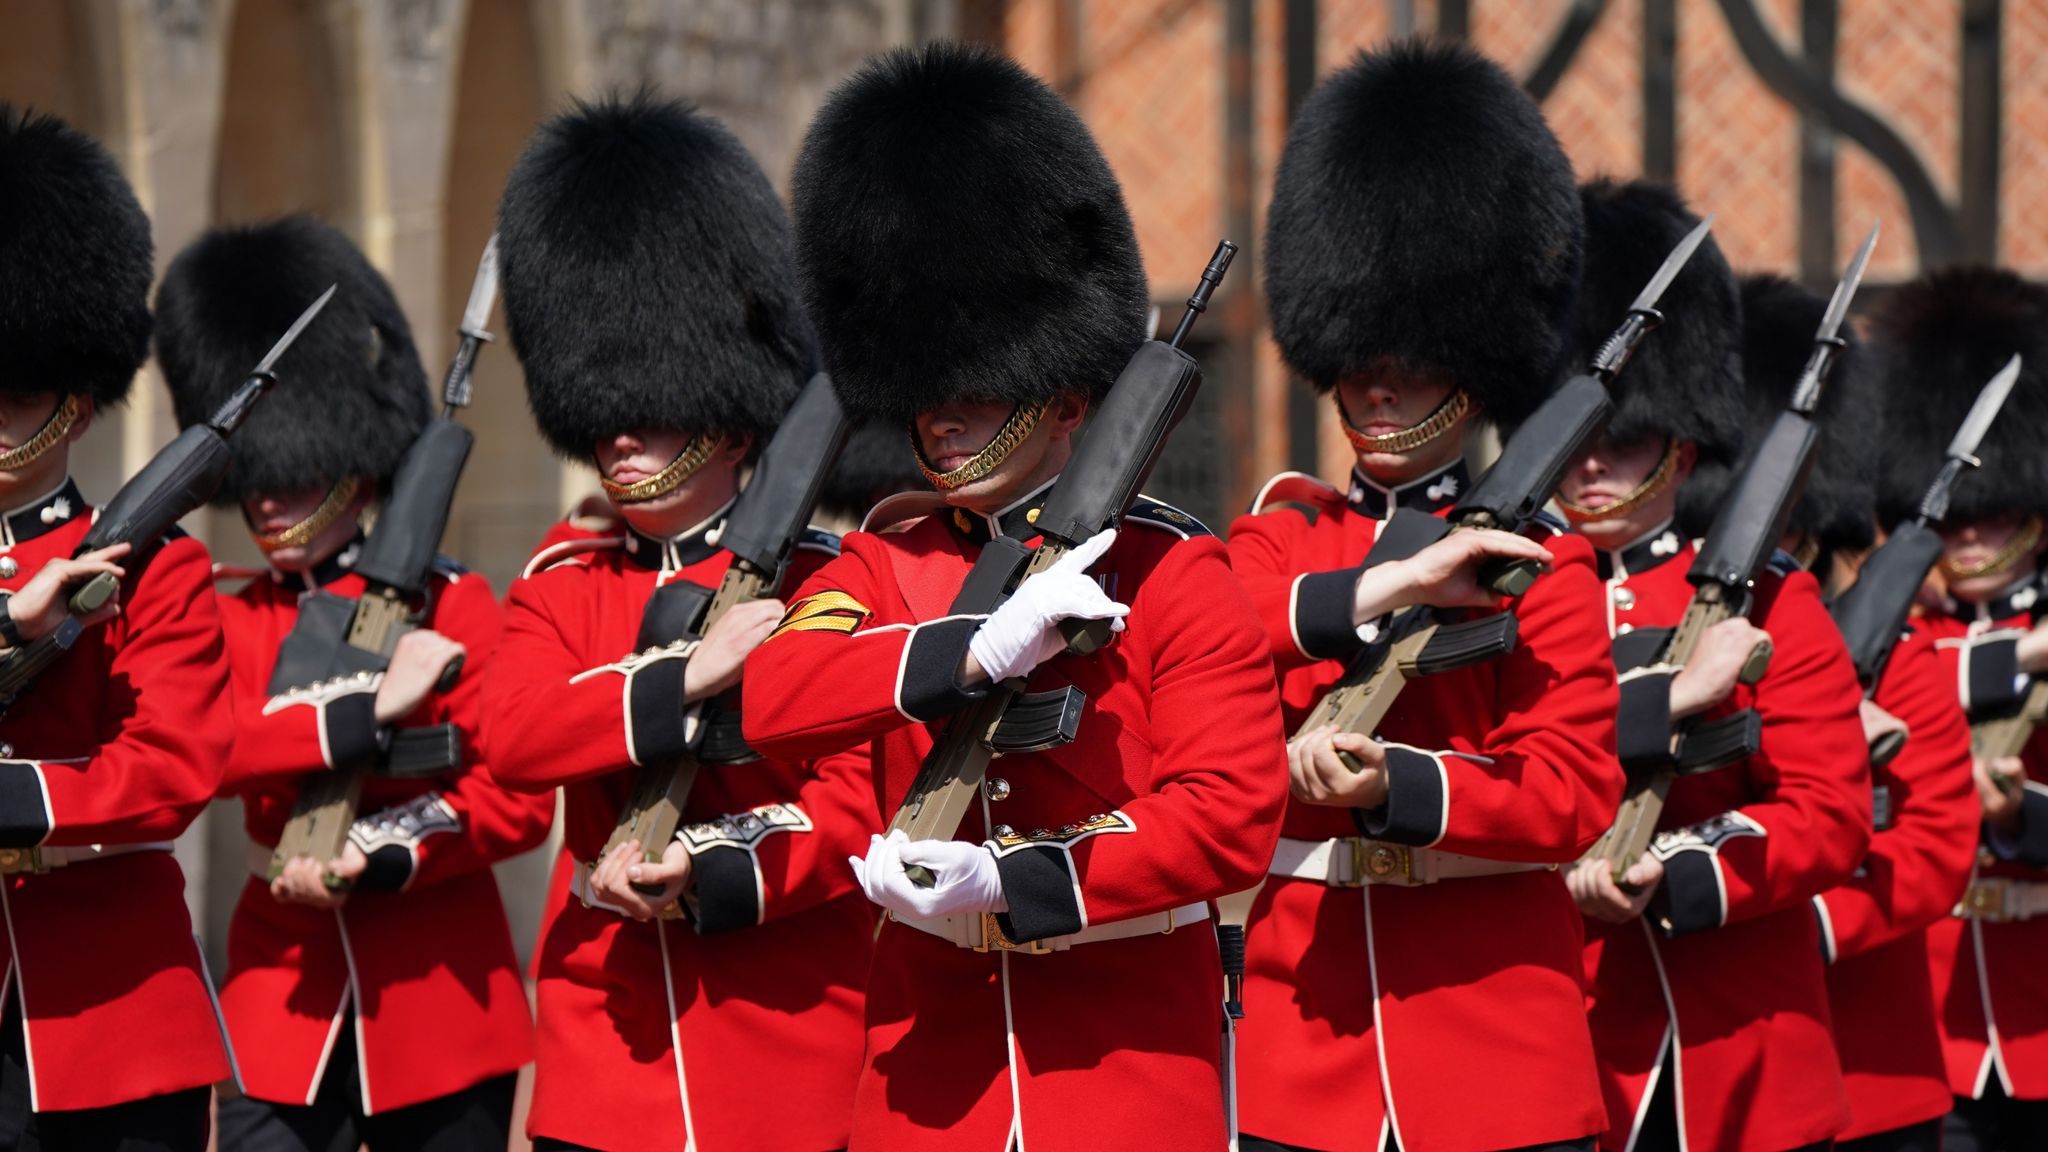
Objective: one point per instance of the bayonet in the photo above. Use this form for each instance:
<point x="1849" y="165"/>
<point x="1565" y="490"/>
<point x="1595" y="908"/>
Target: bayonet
<point x="1827" y="340"/>
<point x="1962" y="451"/>
<point x="1642" y="316"/>
<point x="476" y="332"/>
<point x="291" y="334"/>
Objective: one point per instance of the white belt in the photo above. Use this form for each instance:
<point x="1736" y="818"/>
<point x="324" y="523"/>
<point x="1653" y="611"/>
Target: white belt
<point x="1354" y="861"/>
<point x="1997" y="900"/>
<point x="983" y="933"/>
<point x="43" y="859"/>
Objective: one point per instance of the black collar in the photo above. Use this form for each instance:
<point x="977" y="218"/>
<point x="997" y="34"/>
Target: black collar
<point x="1014" y="519"/>
<point x="325" y="572"/>
<point x="47" y="514"/>
<point x="1432" y="493"/>
<point x="2020" y="598"/>
<point x="1647" y="551"/>
<point x="693" y="545"/>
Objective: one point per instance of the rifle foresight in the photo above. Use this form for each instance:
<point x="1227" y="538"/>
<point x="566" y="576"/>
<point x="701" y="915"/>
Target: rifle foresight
<point x="1198" y="303"/>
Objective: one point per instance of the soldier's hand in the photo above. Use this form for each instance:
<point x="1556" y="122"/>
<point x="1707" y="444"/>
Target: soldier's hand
<point x="719" y="660"/>
<point x="966" y="874"/>
<point x="1593" y="888"/>
<point x="416" y="666"/>
<point x="305" y="880"/>
<point x="41" y="604"/>
<point x="2001" y="785"/>
<point x="1024" y="632"/>
<point x="1877" y="722"/>
<point x="1716" y="663"/>
<point x="1317" y="774"/>
<point x="1443" y="575"/>
<point x="615" y="877"/>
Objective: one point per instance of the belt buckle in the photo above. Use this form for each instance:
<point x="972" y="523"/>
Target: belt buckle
<point x="1985" y="900"/>
<point x="18" y="860"/>
<point x="1373" y="862"/>
<point x="993" y="940"/>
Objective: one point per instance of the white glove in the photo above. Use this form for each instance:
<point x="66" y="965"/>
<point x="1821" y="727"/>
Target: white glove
<point x="968" y="880"/>
<point x="1024" y="632"/>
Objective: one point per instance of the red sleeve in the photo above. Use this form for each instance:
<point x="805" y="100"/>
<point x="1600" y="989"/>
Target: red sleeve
<point x="290" y="734"/>
<point x="474" y="822"/>
<point x="1807" y="823"/>
<point x="782" y="858"/>
<point x="1920" y="862"/>
<point x="165" y="721"/>
<point x="1265" y="551"/>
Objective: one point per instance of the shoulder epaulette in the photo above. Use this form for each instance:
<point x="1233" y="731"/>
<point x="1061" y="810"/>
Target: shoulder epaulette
<point x="450" y="567"/>
<point x="1782" y="562"/>
<point x="1298" y="492"/>
<point x="177" y="532"/>
<point x="1159" y="514"/>
<point x="569" y="552"/>
<point x="1548" y="523"/>
<point x="901" y="510"/>
<point x="819" y="540"/>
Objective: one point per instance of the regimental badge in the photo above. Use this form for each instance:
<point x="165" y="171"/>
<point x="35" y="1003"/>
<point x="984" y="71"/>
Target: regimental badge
<point x="1008" y="840"/>
<point x="823" y="612"/>
<point x="743" y="829"/>
<point x="1706" y="835"/>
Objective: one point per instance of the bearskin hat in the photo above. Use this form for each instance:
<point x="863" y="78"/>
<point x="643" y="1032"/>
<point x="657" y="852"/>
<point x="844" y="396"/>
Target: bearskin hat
<point x="961" y="236"/>
<point x="75" y="263"/>
<point x="647" y="278"/>
<point x="1685" y="381"/>
<point x="877" y="462"/>
<point x="1839" y="504"/>
<point x="1942" y="337"/>
<point x="1424" y="211"/>
<point x="351" y="395"/>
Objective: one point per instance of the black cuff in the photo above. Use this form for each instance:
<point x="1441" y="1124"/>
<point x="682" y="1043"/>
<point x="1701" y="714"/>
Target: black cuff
<point x="1039" y="885"/>
<point x="2030" y="843"/>
<point x="353" y="740"/>
<point x="1689" y="899"/>
<point x="24" y="820"/>
<point x="1414" y="813"/>
<point x="1643" y="723"/>
<point x="1991" y="670"/>
<point x="1323" y="603"/>
<point x="928" y="685"/>
<point x="728" y="889"/>
<point x="389" y="869"/>
<point x="655" y="712"/>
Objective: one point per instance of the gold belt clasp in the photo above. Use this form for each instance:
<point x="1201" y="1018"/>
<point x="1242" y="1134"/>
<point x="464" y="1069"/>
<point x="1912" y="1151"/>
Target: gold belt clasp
<point x="1985" y="900"/>
<point x="993" y="940"/>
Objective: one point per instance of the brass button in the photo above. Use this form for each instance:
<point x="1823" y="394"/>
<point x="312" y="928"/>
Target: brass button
<point x="997" y="788"/>
<point x="9" y="857"/>
<point x="1031" y="517"/>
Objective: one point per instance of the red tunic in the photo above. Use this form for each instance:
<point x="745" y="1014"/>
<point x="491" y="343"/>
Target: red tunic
<point x="421" y="951"/>
<point x="1385" y="1006"/>
<point x="1874" y="925"/>
<point x="739" y="1029"/>
<point x="120" y="743"/>
<point x="1988" y="976"/>
<point x="1727" y="964"/>
<point x="1166" y="797"/>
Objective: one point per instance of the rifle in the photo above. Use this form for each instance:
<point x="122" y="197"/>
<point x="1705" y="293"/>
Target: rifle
<point x="1744" y="535"/>
<point x="766" y="521"/>
<point x="1124" y="440"/>
<point x="1418" y="641"/>
<point x="1872" y="613"/>
<point x="336" y="637"/>
<point x="178" y="479"/>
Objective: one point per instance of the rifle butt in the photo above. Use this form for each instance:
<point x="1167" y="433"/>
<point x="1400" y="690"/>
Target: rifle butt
<point x="320" y="820"/>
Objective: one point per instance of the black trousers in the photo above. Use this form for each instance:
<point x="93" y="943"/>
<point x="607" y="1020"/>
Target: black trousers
<point x="1997" y="1123"/>
<point x="1260" y="1144"/>
<point x="175" y="1122"/>
<point x="1912" y="1138"/>
<point x="476" y="1119"/>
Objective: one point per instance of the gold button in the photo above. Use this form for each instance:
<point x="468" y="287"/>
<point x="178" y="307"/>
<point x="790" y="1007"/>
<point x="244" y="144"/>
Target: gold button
<point x="1382" y="861"/>
<point x="1031" y="517"/>
<point x="9" y="857"/>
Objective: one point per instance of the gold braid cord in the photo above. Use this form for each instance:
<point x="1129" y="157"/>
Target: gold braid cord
<point x="1014" y="431"/>
<point x="301" y="534"/>
<point x="54" y="429"/>
<point x="1408" y="439"/>
<point x="2021" y="542"/>
<point x="1667" y="466"/>
<point x="668" y="479"/>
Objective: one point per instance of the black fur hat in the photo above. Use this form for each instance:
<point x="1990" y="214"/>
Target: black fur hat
<point x="1943" y="337"/>
<point x="351" y="394"/>
<point x="1424" y="211"/>
<point x="1685" y="381"/>
<point x="877" y="462"/>
<point x="647" y="277"/>
<point x="1839" y="504"/>
<point x="75" y="263"/>
<point x="961" y="235"/>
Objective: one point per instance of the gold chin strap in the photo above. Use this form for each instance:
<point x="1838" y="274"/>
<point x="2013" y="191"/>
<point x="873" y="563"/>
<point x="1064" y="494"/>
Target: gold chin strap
<point x="2021" y="542"/>
<point x="1806" y="553"/>
<point x="1667" y="466"/>
<point x="1014" y="431"/>
<point x="54" y="429"/>
<point x="692" y="457"/>
<point x="1408" y="439"/>
<point x="301" y="534"/>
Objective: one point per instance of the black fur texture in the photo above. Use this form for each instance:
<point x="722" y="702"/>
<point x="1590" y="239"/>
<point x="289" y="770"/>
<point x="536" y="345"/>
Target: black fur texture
<point x="1839" y="505"/>
<point x="647" y="278"/>
<point x="961" y="236"/>
<point x="351" y="394"/>
<point x="1423" y="211"/>
<point x="877" y="462"/>
<point x="75" y="263"/>
<point x="1942" y="338"/>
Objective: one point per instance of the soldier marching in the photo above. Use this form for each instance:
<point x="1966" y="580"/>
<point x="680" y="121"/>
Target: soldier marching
<point x="1636" y="750"/>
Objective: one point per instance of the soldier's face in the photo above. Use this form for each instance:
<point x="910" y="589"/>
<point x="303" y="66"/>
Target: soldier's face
<point x="269" y="513"/>
<point x="1609" y="473"/>
<point x="1970" y="545"/>
<point x="1389" y="397"/>
<point x="955" y="432"/>
<point x="633" y="456"/>
<point x="21" y="417"/>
